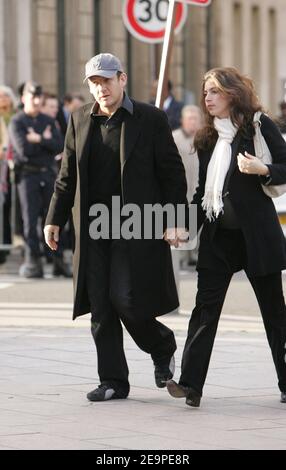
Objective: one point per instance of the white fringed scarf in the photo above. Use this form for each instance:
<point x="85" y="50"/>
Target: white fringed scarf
<point x="218" y="167"/>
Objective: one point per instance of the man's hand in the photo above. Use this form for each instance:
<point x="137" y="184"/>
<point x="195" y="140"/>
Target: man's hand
<point x="33" y="137"/>
<point x="47" y="134"/>
<point x="176" y="236"/>
<point x="251" y="165"/>
<point x="52" y="236"/>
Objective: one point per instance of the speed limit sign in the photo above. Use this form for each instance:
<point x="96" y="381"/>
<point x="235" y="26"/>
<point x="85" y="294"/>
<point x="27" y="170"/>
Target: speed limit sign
<point x="146" y="19"/>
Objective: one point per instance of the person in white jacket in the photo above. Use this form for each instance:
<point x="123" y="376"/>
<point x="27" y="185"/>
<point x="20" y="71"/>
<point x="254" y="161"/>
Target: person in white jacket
<point x="191" y="123"/>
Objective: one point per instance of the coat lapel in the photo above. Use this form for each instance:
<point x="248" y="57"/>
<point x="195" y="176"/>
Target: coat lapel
<point x="85" y="127"/>
<point x="233" y="163"/>
<point x="84" y="136"/>
<point x="131" y="129"/>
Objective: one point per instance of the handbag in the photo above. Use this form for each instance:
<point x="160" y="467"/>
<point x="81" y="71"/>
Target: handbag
<point x="263" y="153"/>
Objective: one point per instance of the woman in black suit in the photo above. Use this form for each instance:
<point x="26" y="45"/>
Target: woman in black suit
<point x="241" y="229"/>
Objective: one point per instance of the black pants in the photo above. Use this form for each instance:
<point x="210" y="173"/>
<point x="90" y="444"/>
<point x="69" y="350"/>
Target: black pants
<point x="212" y="289"/>
<point x="35" y="193"/>
<point x="110" y="294"/>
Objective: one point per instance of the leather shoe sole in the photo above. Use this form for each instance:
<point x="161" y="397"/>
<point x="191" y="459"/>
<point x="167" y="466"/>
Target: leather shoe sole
<point x="176" y="390"/>
<point x="179" y="391"/>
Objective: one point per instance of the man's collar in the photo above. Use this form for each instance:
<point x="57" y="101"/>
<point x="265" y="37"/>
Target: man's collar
<point x="32" y="116"/>
<point x="167" y="102"/>
<point x="126" y="104"/>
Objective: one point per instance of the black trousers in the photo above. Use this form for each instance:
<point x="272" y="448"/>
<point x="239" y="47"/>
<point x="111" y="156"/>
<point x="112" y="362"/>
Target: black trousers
<point x="212" y="289"/>
<point x="110" y="293"/>
<point x="35" y="193"/>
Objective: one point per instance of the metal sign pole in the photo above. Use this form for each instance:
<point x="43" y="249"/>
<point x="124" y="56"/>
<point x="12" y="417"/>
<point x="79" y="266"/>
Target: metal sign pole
<point x="166" y="53"/>
<point x="162" y="85"/>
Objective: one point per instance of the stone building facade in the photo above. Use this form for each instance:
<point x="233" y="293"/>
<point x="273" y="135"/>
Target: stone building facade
<point x="50" y="40"/>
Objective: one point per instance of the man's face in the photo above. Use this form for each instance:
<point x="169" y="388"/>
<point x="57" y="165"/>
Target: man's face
<point x="108" y="92"/>
<point x="75" y="104"/>
<point x="32" y="103"/>
<point x="154" y="90"/>
<point x="191" y="122"/>
<point x="5" y="103"/>
<point x="51" y="107"/>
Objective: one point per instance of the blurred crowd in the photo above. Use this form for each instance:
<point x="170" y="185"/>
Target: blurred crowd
<point x="32" y="131"/>
<point x="33" y="125"/>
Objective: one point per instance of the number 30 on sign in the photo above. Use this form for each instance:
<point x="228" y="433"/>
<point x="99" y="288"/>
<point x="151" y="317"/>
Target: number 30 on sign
<point x="146" y="19"/>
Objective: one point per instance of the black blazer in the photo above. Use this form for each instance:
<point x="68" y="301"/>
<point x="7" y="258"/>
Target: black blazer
<point x="153" y="173"/>
<point x="265" y="242"/>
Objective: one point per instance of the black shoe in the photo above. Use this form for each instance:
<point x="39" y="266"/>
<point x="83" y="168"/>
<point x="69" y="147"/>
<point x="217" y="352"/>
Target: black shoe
<point x="105" y="392"/>
<point x="283" y="397"/>
<point x="61" y="268"/>
<point x="193" y="398"/>
<point x="3" y="257"/>
<point x="180" y="391"/>
<point x="164" y="371"/>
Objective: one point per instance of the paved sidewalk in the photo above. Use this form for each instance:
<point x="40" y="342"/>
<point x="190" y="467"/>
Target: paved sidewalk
<point x="46" y="373"/>
<point x="48" y="364"/>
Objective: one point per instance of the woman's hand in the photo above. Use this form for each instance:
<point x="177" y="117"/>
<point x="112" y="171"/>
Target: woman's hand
<point x="48" y="133"/>
<point x="251" y="165"/>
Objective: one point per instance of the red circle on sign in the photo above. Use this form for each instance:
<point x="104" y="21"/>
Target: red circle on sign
<point x="145" y="32"/>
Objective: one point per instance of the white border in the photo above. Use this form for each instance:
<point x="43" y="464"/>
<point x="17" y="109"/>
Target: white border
<point x="151" y="40"/>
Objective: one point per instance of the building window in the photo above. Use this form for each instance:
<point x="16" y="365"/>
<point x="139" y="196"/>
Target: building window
<point x="97" y="32"/>
<point x="61" y="42"/>
<point x="237" y="36"/>
<point x="272" y="54"/>
<point x="255" y="44"/>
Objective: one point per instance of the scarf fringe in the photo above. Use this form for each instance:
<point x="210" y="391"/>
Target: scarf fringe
<point x="212" y="203"/>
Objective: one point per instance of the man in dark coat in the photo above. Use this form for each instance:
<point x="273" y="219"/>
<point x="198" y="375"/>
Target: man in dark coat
<point x="35" y="141"/>
<point x="117" y="147"/>
<point x="71" y="102"/>
<point x="171" y="106"/>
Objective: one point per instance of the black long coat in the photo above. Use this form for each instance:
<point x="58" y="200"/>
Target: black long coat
<point x="153" y="173"/>
<point x="264" y="239"/>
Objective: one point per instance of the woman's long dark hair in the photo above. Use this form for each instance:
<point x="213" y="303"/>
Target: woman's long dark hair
<point x="244" y="103"/>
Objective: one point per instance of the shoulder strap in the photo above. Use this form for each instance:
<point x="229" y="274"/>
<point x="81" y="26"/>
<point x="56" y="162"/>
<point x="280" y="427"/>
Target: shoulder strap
<point x="257" y="119"/>
<point x="261" y="148"/>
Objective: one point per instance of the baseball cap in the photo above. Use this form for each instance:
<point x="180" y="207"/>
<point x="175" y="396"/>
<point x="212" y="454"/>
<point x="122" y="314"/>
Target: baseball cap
<point x="32" y="87"/>
<point x="103" y="65"/>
